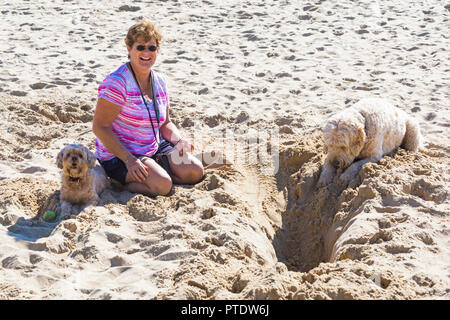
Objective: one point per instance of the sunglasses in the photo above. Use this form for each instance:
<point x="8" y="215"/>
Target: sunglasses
<point x="141" y="47"/>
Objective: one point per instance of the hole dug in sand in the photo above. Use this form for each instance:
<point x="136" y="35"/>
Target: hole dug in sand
<point x="301" y="241"/>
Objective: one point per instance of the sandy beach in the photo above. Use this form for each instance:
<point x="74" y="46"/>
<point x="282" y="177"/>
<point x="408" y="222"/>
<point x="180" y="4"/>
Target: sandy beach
<point x="251" y="84"/>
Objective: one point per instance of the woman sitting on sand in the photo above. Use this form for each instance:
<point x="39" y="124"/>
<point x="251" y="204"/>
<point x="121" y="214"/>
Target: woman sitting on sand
<point x="136" y="141"/>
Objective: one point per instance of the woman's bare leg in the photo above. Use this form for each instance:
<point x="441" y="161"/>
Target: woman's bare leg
<point x="158" y="181"/>
<point x="185" y="170"/>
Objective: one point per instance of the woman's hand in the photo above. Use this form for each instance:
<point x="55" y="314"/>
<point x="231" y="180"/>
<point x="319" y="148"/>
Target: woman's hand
<point x="183" y="146"/>
<point x="138" y="171"/>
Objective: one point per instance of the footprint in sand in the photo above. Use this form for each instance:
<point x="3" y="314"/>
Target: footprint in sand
<point x="18" y="93"/>
<point x="128" y="8"/>
<point x="32" y="170"/>
<point x="38" y="85"/>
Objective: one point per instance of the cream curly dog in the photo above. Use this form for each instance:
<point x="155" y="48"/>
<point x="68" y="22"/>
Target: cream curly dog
<point x="82" y="181"/>
<point x="366" y="131"/>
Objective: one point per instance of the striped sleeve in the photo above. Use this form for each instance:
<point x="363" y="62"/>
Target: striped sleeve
<point x="113" y="89"/>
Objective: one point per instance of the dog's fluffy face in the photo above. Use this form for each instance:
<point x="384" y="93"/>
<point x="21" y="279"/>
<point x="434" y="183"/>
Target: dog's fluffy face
<point x="343" y="142"/>
<point x="75" y="160"/>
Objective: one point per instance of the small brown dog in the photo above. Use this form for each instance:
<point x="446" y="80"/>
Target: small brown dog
<point x="82" y="181"/>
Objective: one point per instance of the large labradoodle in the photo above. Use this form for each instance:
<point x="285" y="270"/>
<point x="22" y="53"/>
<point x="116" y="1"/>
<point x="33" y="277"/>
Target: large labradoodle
<point x="366" y="131"/>
<point x="82" y="180"/>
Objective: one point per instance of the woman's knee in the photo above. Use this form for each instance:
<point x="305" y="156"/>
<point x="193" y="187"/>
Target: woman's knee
<point x="158" y="181"/>
<point x="192" y="174"/>
<point x="197" y="173"/>
<point x="159" y="185"/>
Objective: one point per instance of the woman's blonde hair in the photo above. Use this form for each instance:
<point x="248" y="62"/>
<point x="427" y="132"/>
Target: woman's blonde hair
<point x="144" y="30"/>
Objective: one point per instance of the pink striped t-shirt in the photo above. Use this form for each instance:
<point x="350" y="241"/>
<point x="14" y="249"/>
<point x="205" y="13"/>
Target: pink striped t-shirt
<point x="132" y="125"/>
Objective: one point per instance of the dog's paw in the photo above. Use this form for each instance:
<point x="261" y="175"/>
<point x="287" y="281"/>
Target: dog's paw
<point x="345" y="178"/>
<point x="324" y="180"/>
<point x="66" y="207"/>
<point x="321" y="183"/>
<point x="88" y="210"/>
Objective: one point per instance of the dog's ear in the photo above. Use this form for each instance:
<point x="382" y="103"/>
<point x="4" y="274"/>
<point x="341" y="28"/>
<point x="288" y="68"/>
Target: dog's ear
<point x="59" y="158"/>
<point x="91" y="160"/>
<point x="328" y="130"/>
<point x="358" y="140"/>
<point x="359" y="133"/>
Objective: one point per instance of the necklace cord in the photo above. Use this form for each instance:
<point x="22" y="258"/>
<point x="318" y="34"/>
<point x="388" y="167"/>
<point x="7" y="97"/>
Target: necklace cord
<point x="155" y="104"/>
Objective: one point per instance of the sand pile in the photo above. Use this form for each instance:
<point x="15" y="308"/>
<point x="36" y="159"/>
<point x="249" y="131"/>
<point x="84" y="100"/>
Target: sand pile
<point x="252" y="96"/>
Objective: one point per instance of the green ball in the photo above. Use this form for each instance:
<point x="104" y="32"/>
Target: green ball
<point x="49" y="215"/>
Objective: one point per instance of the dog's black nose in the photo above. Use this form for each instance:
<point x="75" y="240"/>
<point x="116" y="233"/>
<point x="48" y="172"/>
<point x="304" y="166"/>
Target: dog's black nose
<point x="74" y="158"/>
<point x="335" y="164"/>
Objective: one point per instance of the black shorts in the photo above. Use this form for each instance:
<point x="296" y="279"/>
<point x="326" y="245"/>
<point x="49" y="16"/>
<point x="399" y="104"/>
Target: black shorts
<point x="117" y="170"/>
